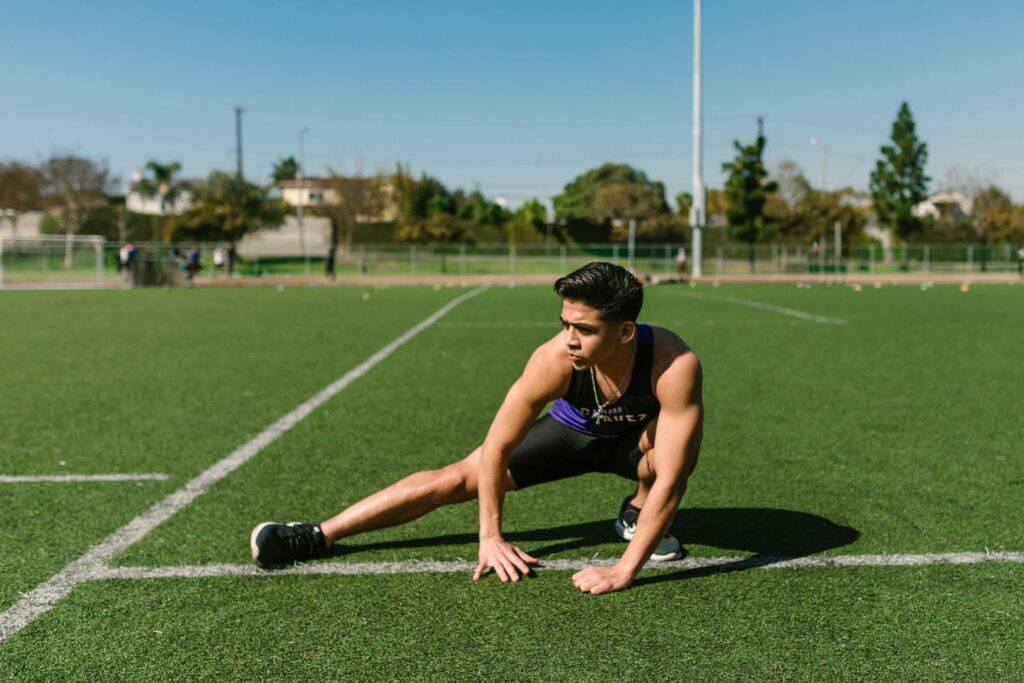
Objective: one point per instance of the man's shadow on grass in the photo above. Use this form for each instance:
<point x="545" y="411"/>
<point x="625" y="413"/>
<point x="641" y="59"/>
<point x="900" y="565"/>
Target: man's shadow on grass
<point x="768" y="533"/>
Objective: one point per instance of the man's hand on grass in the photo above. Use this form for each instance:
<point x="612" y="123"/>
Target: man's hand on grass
<point x="507" y="561"/>
<point x="597" y="580"/>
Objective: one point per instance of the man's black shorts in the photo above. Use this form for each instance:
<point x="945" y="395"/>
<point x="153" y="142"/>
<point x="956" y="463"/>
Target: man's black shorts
<point x="552" y="451"/>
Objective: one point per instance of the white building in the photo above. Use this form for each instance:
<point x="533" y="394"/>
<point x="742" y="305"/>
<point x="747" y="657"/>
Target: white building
<point x="314" y="192"/>
<point x="947" y="204"/>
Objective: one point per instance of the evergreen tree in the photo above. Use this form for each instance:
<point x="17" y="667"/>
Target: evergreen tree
<point x="746" y="191"/>
<point x="898" y="182"/>
<point x="286" y="168"/>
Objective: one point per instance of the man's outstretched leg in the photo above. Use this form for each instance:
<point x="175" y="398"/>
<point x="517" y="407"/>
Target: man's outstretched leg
<point x="403" y="501"/>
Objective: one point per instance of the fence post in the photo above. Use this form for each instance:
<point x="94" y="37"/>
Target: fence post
<point x="775" y="257"/>
<point x="562" y="260"/>
<point x="462" y="258"/>
<point x="871" y="259"/>
<point x="97" y="247"/>
<point x="412" y="258"/>
<point x="512" y="256"/>
<point x="926" y="258"/>
<point x="668" y="258"/>
<point x="718" y="251"/>
<point x="970" y="258"/>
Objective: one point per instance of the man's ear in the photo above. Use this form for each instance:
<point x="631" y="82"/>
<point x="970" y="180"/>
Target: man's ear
<point x="627" y="331"/>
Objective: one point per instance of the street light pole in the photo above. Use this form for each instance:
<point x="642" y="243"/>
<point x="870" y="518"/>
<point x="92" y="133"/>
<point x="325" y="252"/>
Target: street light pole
<point x="818" y="142"/>
<point x="697" y="212"/>
<point x="302" y="201"/>
<point x="823" y="146"/>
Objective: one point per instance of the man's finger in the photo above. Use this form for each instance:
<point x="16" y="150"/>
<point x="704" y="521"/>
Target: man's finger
<point x="514" y="560"/>
<point x="499" y="569"/>
<point x="510" y="567"/>
<point x="479" y="571"/>
<point x="525" y="556"/>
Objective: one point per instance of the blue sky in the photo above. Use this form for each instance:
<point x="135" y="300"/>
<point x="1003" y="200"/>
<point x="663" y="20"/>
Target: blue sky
<point x="513" y="98"/>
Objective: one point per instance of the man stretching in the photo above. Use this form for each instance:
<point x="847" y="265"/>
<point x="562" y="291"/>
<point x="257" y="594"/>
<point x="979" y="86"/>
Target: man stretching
<point x="627" y="400"/>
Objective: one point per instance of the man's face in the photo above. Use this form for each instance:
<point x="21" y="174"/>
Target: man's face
<point x="588" y="339"/>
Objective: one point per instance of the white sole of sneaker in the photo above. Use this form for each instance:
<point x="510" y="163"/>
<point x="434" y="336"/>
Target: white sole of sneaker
<point x="253" y="549"/>
<point x="626" y="534"/>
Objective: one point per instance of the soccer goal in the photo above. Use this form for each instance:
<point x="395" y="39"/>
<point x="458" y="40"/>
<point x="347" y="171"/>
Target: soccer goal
<point x="52" y="261"/>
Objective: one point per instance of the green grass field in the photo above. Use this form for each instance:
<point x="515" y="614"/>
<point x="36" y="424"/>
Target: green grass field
<point x="898" y="432"/>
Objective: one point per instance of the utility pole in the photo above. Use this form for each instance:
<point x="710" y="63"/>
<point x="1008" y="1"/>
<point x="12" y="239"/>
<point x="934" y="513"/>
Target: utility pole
<point x="697" y="211"/>
<point x="238" y="139"/>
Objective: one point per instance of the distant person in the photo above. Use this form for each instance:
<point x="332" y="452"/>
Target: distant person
<point x="627" y="401"/>
<point x="218" y="260"/>
<point x="329" y="265"/>
<point x="232" y="259"/>
<point x="125" y="257"/>
<point x="193" y="263"/>
<point x="681" y="263"/>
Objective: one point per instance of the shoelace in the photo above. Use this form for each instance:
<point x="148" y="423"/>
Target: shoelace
<point x="302" y="540"/>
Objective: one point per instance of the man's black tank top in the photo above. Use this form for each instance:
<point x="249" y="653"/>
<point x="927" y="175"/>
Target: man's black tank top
<point x="634" y="408"/>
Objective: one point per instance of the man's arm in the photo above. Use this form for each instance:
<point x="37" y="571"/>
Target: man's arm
<point x="542" y="381"/>
<point x="676" y="447"/>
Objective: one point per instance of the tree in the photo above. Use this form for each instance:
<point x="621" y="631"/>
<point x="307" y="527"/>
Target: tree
<point x="746" y="191"/>
<point x="21" y="189"/>
<point x="597" y="205"/>
<point x="425" y="209"/>
<point x="226" y="207"/>
<point x="75" y="184"/>
<point x="160" y="182"/>
<point x="529" y="223"/>
<point x="993" y="218"/>
<point x="285" y="169"/>
<point x="356" y="199"/>
<point x="898" y="182"/>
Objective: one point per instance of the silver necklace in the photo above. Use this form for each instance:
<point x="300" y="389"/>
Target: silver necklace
<point x="599" y="413"/>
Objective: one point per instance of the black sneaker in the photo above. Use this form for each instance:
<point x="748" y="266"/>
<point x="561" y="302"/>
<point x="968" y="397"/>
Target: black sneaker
<point x="272" y="543"/>
<point x="625" y="527"/>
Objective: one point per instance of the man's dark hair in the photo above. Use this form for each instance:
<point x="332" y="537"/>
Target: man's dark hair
<point x="612" y="290"/>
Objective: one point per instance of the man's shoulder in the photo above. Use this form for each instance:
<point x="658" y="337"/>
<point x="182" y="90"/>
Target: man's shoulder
<point x="668" y="344"/>
<point x="671" y="349"/>
<point x="548" y="371"/>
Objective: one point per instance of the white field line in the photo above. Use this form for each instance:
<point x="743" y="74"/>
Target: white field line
<point x="93" y="563"/>
<point x="771" y="307"/>
<point x="62" y="478"/>
<point x="431" y="567"/>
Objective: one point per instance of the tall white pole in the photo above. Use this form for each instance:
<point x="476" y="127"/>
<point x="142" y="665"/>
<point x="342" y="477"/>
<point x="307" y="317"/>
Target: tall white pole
<point x="697" y="213"/>
<point x="632" y="245"/>
<point x="823" y="146"/>
<point x="302" y="201"/>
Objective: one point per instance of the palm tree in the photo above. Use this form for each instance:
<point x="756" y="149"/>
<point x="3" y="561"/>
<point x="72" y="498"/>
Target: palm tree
<point x="161" y="182"/>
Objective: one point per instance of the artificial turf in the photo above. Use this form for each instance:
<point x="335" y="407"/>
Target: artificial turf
<point x="898" y="432"/>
